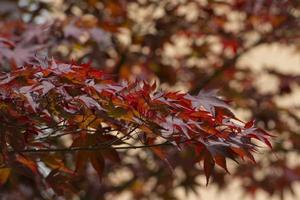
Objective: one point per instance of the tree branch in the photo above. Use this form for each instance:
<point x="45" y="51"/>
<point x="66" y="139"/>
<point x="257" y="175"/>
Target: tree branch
<point x="118" y="66"/>
<point x="87" y="148"/>
<point x="94" y="148"/>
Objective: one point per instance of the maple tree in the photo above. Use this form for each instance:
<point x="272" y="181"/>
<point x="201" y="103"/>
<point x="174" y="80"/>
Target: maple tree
<point x="63" y="121"/>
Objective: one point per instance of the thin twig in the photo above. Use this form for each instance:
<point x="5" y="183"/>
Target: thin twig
<point x="86" y="148"/>
<point x="94" y="148"/>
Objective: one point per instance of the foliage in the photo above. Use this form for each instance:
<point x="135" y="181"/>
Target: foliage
<point x="40" y="104"/>
<point x="212" y="36"/>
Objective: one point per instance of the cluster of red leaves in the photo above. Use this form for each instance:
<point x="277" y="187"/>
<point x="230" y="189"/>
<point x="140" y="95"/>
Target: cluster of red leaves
<point x="40" y="104"/>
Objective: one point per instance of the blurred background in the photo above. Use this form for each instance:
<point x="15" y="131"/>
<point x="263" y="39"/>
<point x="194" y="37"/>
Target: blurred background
<point x="249" y="50"/>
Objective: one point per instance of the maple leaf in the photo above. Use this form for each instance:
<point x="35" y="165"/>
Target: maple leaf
<point x="71" y="30"/>
<point x="20" y="54"/>
<point x="174" y="124"/>
<point x="207" y="100"/>
<point x="45" y="86"/>
<point x="60" y="68"/>
<point x="36" y="32"/>
<point x="98" y="163"/>
<point x="90" y="102"/>
<point x="101" y="37"/>
<point x="208" y="166"/>
<point x="6" y="79"/>
<point x="27" y="92"/>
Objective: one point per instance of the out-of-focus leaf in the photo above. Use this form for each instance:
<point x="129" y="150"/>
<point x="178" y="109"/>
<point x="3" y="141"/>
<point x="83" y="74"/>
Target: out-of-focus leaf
<point x="98" y="163"/>
<point x="4" y="175"/>
<point x="30" y="164"/>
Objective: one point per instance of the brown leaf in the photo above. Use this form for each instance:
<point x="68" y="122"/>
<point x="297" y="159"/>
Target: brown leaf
<point x="27" y="163"/>
<point x="54" y="162"/>
<point x="221" y="161"/>
<point x="4" y="175"/>
<point x="208" y="166"/>
<point x="98" y="163"/>
<point x="111" y="154"/>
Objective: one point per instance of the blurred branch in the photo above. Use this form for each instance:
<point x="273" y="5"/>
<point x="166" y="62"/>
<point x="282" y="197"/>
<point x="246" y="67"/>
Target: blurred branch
<point x="120" y="63"/>
<point x="227" y="64"/>
<point x="122" y="59"/>
<point x="231" y="62"/>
